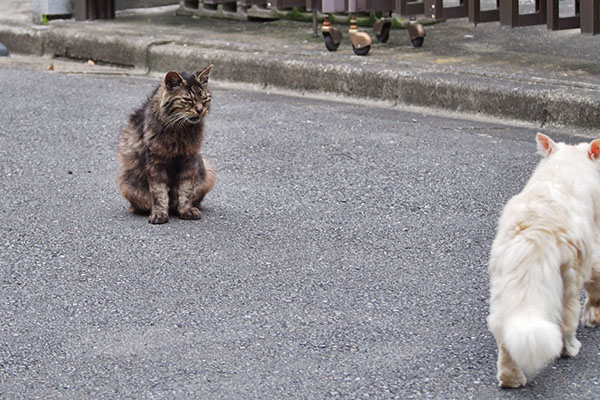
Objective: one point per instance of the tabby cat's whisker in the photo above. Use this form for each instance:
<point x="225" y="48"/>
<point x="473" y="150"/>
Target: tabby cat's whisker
<point x="174" y="120"/>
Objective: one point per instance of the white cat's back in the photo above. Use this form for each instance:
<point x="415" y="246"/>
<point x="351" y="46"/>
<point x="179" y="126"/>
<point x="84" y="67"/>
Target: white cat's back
<point x="562" y="195"/>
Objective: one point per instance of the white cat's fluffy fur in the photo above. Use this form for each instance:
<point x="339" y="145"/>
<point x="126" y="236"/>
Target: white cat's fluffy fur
<point x="547" y="247"/>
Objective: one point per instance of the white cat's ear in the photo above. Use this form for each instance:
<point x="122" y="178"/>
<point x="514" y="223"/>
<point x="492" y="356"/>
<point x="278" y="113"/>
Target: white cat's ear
<point x="594" y="150"/>
<point x="173" y="80"/>
<point x="202" y="76"/>
<point x="545" y="145"/>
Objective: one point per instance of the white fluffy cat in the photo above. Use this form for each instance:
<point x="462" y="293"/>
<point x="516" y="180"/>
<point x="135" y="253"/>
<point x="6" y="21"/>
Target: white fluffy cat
<point x="546" y="249"/>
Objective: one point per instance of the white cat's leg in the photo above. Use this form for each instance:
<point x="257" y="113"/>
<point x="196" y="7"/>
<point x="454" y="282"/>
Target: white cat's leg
<point x="591" y="309"/>
<point x="509" y="374"/>
<point x="570" y="317"/>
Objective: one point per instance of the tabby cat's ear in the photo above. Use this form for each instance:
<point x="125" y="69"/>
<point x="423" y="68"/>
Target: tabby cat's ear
<point x="202" y="76"/>
<point x="173" y="80"/>
<point x="545" y="145"/>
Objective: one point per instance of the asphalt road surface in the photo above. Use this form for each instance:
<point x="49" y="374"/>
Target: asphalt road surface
<point x="342" y="253"/>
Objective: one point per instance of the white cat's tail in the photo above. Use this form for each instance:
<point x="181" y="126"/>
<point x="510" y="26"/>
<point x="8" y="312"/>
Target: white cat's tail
<point x="526" y="304"/>
<point x="532" y="343"/>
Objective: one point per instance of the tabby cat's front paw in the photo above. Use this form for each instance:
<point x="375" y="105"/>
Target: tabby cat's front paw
<point x="190" y="213"/>
<point x="158" y="217"/>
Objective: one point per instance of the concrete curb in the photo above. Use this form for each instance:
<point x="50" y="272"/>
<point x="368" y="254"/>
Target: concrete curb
<point x="538" y="103"/>
<point x="111" y="49"/>
<point x="23" y="40"/>
<point x="541" y="102"/>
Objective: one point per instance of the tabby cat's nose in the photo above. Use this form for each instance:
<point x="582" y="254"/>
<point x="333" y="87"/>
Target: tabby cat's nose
<point x="200" y="109"/>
